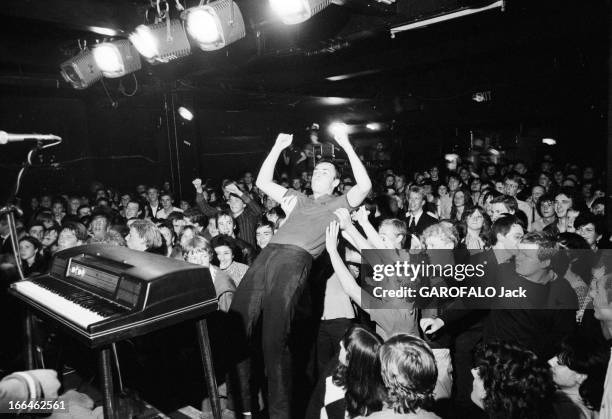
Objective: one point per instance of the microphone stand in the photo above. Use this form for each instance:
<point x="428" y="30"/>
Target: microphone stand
<point x="10" y="210"/>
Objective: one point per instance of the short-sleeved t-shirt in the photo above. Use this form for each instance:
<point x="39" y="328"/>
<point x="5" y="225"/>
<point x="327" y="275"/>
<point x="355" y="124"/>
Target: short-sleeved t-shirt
<point x="305" y="226"/>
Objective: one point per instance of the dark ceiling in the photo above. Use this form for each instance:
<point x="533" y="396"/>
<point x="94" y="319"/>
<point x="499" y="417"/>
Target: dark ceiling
<point x="527" y="51"/>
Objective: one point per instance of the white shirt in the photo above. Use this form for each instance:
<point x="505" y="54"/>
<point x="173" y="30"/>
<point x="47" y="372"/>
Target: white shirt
<point x="416" y="217"/>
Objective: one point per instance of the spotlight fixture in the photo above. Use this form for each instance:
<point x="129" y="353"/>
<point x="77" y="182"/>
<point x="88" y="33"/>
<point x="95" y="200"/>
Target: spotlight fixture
<point x="161" y="42"/>
<point x="549" y="141"/>
<point x="185" y="113"/>
<point x="292" y="12"/>
<point x="81" y="71"/>
<point x="215" y="25"/>
<point x="373" y="126"/>
<point x="116" y="58"/>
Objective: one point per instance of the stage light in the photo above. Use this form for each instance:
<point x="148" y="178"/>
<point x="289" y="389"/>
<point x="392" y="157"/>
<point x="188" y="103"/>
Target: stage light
<point x="549" y="141"/>
<point x="116" y="58"/>
<point x="215" y="25"/>
<point x="81" y="71"/>
<point x="373" y="126"/>
<point x="104" y="31"/>
<point x="161" y="42"/>
<point x="185" y="113"/>
<point x="292" y="12"/>
<point x="338" y="129"/>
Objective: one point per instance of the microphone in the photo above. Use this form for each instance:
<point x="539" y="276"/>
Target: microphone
<point x="6" y="138"/>
<point x="11" y="208"/>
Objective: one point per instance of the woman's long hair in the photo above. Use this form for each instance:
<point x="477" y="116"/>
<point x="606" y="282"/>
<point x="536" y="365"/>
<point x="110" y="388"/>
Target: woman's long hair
<point x="485" y="230"/>
<point x="360" y="377"/>
<point x="467" y="203"/>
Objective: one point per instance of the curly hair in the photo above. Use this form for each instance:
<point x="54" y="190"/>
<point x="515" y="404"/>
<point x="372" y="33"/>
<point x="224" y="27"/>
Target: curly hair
<point x="409" y="371"/>
<point x="360" y="377"/>
<point x="517" y="384"/>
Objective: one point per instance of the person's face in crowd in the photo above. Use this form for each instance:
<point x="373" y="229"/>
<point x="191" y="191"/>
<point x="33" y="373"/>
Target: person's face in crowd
<point x="415" y="202"/>
<point x="500" y="187"/>
<point x="418" y="178"/>
<point x="547" y="209"/>
<point x="47" y="223"/>
<point x="37" y="232"/>
<point x="101" y="193"/>
<point x="475" y="185"/>
<point x="427" y="190"/>
<point x="399" y="182"/>
<point x="212" y="227"/>
<point x="67" y="239"/>
<point x="511" y="240"/>
<point x="263" y="235"/>
<point x="453" y="184"/>
<point x="588" y="232"/>
<point x="84" y="212"/>
<point x="166" y="202"/>
<point x="464" y="174"/>
<point x="598" y="209"/>
<point x="99" y="226"/>
<point x="184" y="205"/>
<point x="563" y="376"/>
<point x="198" y="257"/>
<point x="498" y="210"/>
<point x="103" y="202"/>
<point x="602" y="299"/>
<point x="324" y="178"/>
<point x="390" y="237"/>
<point x="34" y="204"/>
<point x="389" y="181"/>
<point x="570" y="183"/>
<point x="166" y="186"/>
<point x="475" y="221"/>
<point x="459" y="199"/>
<point x="478" y="389"/>
<point x="434" y="172"/>
<point x="520" y="168"/>
<point x="45" y="201"/>
<point x="527" y="261"/>
<point x="511" y="187"/>
<point x="438" y="243"/>
<point x="134" y="241"/>
<point x="248" y="178"/>
<point x="152" y="195"/>
<point x="563" y="203"/>
<point x="236" y="204"/>
<point x="225" y="256"/>
<point x="177" y="226"/>
<point x="125" y="199"/>
<point x="588" y="173"/>
<point x="74" y="203"/>
<point x="380" y="147"/>
<point x="546" y="166"/>
<point x="132" y="210"/>
<point x="536" y="193"/>
<point x="26" y="250"/>
<point x="586" y="190"/>
<point x="558" y="176"/>
<point x="270" y="203"/>
<point x="272" y="217"/>
<point x="394" y="204"/>
<point x="306" y="176"/>
<point x="141" y="189"/>
<point x="442" y="190"/>
<point x="49" y="238"/>
<point x="296" y="184"/>
<point x="226" y="225"/>
<point x="544" y="181"/>
<point x="167" y="233"/>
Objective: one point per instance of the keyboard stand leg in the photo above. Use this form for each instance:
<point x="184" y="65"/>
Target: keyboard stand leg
<point x="28" y="325"/>
<point x="209" y="372"/>
<point x="106" y="383"/>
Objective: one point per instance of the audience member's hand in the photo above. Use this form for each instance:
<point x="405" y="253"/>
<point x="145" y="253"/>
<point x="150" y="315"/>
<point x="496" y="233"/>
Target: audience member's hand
<point x="283" y="141"/>
<point x="344" y="218"/>
<point x="48" y="381"/>
<point x="361" y="215"/>
<point x="430" y="326"/>
<point x="288" y="204"/>
<point x="331" y="237"/>
<point x="197" y="183"/>
<point x="233" y="189"/>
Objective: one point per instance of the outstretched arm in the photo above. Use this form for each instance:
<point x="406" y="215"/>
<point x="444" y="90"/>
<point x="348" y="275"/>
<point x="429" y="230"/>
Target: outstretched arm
<point x="265" y="178"/>
<point x="344" y="276"/>
<point x="363" y="183"/>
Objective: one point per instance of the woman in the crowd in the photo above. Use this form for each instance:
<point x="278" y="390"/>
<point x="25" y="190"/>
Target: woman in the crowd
<point x="225" y="248"/>
<point x="579" y="371"/>
<point x="591" y="228"/>
<point x="546" y="209"/>
<point x="409" y="373"/>
<point x="511" y="382"/>
<point x="49" y="241"/>
<point x="476" y="226"/>
<point x="32" y="260"/>
<point x="462" y="200"/>
<point x="545" y="181"/>
<point x="167" y="232"/>
<point x="444" y="202"/>
<point x="355" y="388"/>
<point x="475" y="189"/>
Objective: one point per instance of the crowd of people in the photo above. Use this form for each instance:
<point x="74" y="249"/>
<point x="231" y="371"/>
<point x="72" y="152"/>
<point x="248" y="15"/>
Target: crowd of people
<point x="269" y="241"/>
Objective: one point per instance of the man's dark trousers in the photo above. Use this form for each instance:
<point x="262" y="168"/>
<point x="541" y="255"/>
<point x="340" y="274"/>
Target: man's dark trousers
<point x="271" y="288"/>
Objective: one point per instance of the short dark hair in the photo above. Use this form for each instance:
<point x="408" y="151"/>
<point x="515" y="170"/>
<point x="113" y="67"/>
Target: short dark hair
<point x="502" y="226"/>
<point x="547" y="246"/>
<point x="587" y="217"/>
<point x="195" y="216"/>
<point x="507" y="200"/>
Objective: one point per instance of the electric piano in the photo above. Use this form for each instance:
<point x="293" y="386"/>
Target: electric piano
<point x="103" y="294"/>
